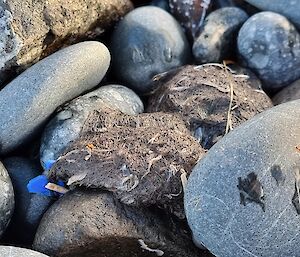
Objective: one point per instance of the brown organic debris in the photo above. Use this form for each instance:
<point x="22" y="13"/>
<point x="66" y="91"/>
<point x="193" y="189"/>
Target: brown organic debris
<point x="140" y="158"/>
<point x="211" y="98"/>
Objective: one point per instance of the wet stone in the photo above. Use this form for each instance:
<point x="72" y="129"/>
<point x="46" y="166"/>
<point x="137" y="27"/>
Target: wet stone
<point x="6" y="199"/>
<point x="218" y="35"/>
<point x="164" y="4"/>
<point x="146" y="42"/>
<point x="68" y="122"/>
<point x="246" y="188"/>
<point x="289" y="93"/>
<point x="29" y="208"/>
<point x="190" y="14"/>
<point x="270" y="45"/>
<point x="92" y="224"/>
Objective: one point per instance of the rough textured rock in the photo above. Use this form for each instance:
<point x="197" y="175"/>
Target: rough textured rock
<point x="92" y="224"/>
<point x="289" y="93"/>
<point x="27" y="101"/>
<point x="67" y="124"/>
<point x="146" y="42"/>
<point x="270" y="45"/>
<point x="142" y="159"/>
<point x="289" y="9"/>
<point x="29" y="208"/>
<point x="6" y="199"/>
<point x="12" y="251"/>
<point x="202" y="95"/>
<point x="246" y="189"/>
<point x="32" y="29"/>
<point x="218" y="36"/>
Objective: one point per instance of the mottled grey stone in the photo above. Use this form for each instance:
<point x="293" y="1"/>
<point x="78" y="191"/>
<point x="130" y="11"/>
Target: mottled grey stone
<point x="11" y="251"/>
<point x="6" y="199"/>
<point x="27" y="101"/>
<point x="216" y="41"/>
<point x="29" y="208"/>
<point x="270" y="45"/>
<point x="289" y="93"/>
<point x="67" y="124"/>
<point x="93" y="224"/>
<point x="146" y="42"/>
<point x="266" y="222"/>
<point x="289" y="9"/>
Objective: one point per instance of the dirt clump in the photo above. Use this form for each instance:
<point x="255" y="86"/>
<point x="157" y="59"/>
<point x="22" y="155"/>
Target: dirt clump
<point x="144" y="159"/>
<point x="212" y="99"/>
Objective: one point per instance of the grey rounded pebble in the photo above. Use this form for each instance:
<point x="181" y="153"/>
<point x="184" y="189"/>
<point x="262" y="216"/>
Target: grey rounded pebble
<point x="11" y="251"/>
<point x="289" y="9"/>
<point x="289" y="93"/>
<point x="146" y="42"/>
<point x="27" y="101"/>
<point x="6" y="199"/>
<point x="94" y="224"/>
<point x="218" y="36"/>
<point x="242" y="197"/>
<point x="270" y="45"/>
<point x="67" y="124"/>
<point x="29" y="208"/>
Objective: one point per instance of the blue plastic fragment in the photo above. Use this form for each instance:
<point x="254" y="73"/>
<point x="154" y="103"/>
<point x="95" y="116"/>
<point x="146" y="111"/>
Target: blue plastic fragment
<point x="48" y="164"/>
<point x="37" y="186"/>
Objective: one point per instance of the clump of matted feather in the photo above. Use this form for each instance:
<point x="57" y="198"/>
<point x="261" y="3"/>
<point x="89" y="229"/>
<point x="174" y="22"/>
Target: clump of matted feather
<point x="190" y="14"/>
<point x="143" y="159"/>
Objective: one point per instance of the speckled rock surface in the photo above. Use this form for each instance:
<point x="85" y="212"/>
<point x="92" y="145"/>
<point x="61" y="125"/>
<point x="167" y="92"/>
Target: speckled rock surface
<point x="146" y="42"/>
<point x="67" y="124"/>
<point x="93" y="224"/>
<point x="289" y="9"/>
<point x="270" y="45"/>
<point x="242" y="198"/>
<point x="11" y="251"/>
<point x="218" y="36"/>
<point x="29" y="208"/>
<point x="30" y="30"/>
<point x="289" y="93"/>
<point x="27" y="101"/>
<point x="6" y="199"/>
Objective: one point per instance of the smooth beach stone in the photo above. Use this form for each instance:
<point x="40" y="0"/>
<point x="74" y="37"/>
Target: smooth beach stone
<point x="11" y="251"/>
<point x="218" y="36"/>
<point x="6" y="199"/>
<point x="93" y="223"/>
<point x="289" y="93"/>
<point x="67" y="124"/>
<point x="289" y="9"/>
<point x="29" y="208"/>
<point x="242" y="198"/>
<point x="164" y="4"/>
<point x="270" y="45"/>
<point x="27" y="101"/>
<point x="146" y="42"/>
